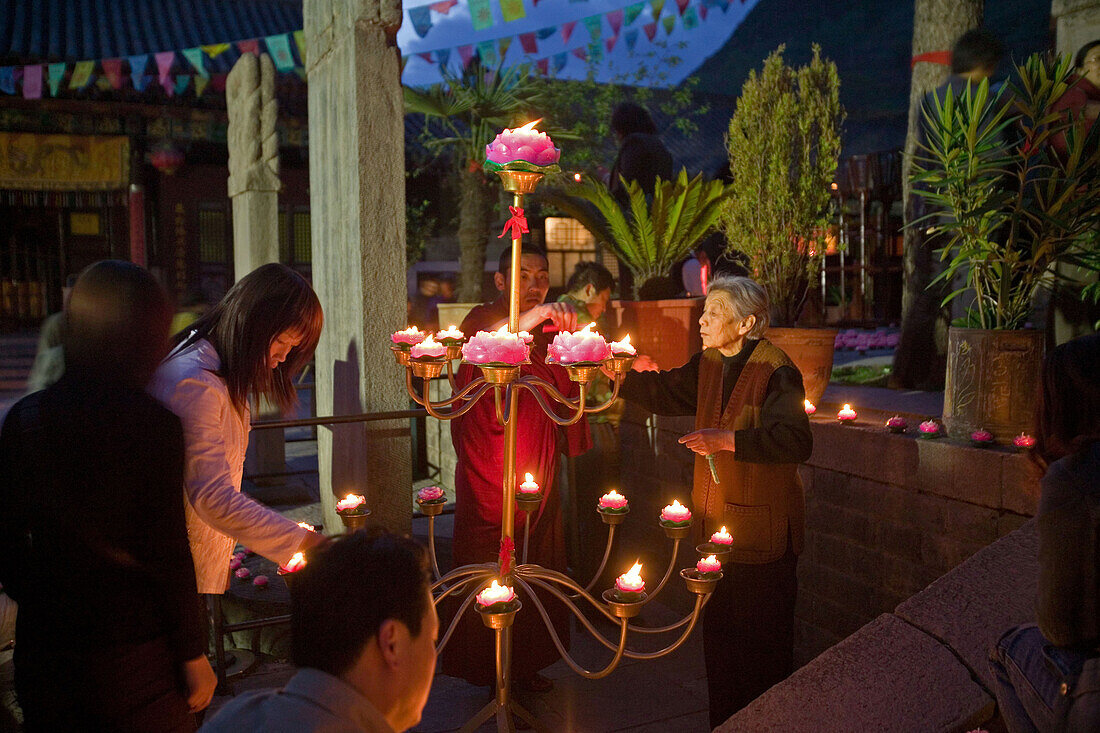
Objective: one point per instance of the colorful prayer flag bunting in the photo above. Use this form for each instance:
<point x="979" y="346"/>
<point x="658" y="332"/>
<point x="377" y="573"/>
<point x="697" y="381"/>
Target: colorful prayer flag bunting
<point x="567" y="30"/>
<point x="194" y="55"/>
<point x="421" y="19"/>
<point x="593" y="24"/>
<point x="200" y="85"/>
<point x="703" y="12"/>
<point x="481" y="14"/>
<point x="488" y="52"/>
<point x="112" y="68"/>
<point x="669" y="22"/>
<point x="138" y="64"/>
<point x="615" y="20"/>
<point x="656" y="6"/>
<point x="631" y="12"/>
<point x="55" y="72"/>
<point x="650" y="30"/>
<point x="427" y="56"/>
<point x="82" y="74"/>
<point x="543" y="65"/>
<point x="444" y="7"/>
<point x="504" y="44"/>
<point x="214" y="50"/>
<point x="682" y="5"/>
<point x="691" y="20"/>
<point x="279" y="48"/>
<point x="32" y="82"/>
<point x="631" y="39"/>
<point x="443" y="55"/>
<point x="141" y="81"/>
<point x="530" y="45"/>
<point x="512" y="10"/>
<point x="595" y="53"/>
<point x="467" y="53"/>
<point x="300" y="42"/>
<point x="182" y="82"/>
<point x="252" y="46"/>
<point x="560" y="60"/>
<point x="580" y="53"/>
<point x="543" y="33"/>
<point x="610" y="43"/>
<point x="7" y="79"/>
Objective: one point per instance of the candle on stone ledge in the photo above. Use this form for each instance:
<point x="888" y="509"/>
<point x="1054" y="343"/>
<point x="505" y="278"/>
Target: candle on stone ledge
<point x="529" y="486"/>
<point x="897" y="424"/>
<point x="623" y="347"/>
<point x="676" y="513"/>
<point x="494" y="594"/>
<point x="429" y="348"/>
<point x="631" y="581"/>
<point x="929" y="429"/>
<point x="350" y="504"/>
<point x="451" y="334"/>
<point x="1023" y="441"/>
<point x="981" y="438"/>
<point x="722" y="537"/>
<point x="523" y="143"/>
<point x="846" y="414"/>
<point x="613" y="500"/>
<point x="408" y="337"/>
<point x="809" y="407"/>
<point x="708" y="564"/>
<point x="296" y="563"/>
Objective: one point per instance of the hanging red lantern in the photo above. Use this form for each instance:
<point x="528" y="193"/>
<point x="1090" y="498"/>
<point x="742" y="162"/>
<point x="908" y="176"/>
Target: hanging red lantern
<point x="166" y="159"/>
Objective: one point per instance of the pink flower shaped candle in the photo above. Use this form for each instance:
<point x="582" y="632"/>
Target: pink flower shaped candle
<point x="523" y="143"/>
<point x="579" y="347"/>
<point x="981" y="438"/>
<point x="260" y="581"/>
<point x="629" y="586"/>
<point x="526" y="337"/>
<point x="431" y="495"/>
<point x="613" y="503"/>
<point x="495" y="347"/>
<point x="352" y="505"/>
<point x="234" y="563"/>
<point x="897" y="424"/>
<point x="929" y="429"/>
<point x="529" y="487"/>
<point x="676" y="515"/>
<point x="623" y="348"/>
<point x="846" y="414"/>
<point x="450" y="335"/>
<point x="429" y="348"/>
<point x="408" y="338"/>
<point x="242" y="573"/>
<point x="722" y="537"/>
<point x="709" y="566"/>
<point x="809" y="407"/>
<point x="496" y="598"/>
<point x="296" y="563"/>
<point x="1023" y="441"/>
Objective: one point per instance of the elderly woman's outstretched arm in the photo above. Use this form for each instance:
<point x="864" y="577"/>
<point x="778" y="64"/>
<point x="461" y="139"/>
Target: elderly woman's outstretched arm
<point x="784" y="434"/>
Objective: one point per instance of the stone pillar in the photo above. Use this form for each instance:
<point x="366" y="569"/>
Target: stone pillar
<point x="254" y="190"/>
<point x="357" y="204"/>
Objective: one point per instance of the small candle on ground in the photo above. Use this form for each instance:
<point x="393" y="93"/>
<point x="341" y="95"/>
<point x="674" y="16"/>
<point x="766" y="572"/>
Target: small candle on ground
<point x="613" y="500"/>
<point x="708" y="564"/>
<point x="624" y="347"/>
<point x="350" y="504"/>
<point x="529" y="486"/>
<point x="722" y="537"/>
<point x="242" y="573"/>
<point x="260" y="581"/>
<point x="631" y="581"/>
<point x="1023" y="441"/>
<point x="809" y="407"/>
<point x="676" y="513"/>
<point x="495" y="593"/>
<point x="846" y="414"/>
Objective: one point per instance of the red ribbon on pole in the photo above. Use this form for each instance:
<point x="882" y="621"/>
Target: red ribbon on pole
<point x="517" y="224"/>
<point x="932" y="57"/>
<point x="507" y="547"/>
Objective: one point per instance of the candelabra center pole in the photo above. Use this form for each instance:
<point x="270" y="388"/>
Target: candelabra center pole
<point x="508" y="514"/>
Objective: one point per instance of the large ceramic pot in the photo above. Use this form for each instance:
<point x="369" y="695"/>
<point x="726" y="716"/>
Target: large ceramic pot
<point x="667" y="330"/>
<point x="992" y="381"/>
<point x="811" y="350"/>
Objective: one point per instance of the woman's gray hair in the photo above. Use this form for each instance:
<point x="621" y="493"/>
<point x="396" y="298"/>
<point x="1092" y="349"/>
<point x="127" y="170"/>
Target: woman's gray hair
<point x="749" y="298"/>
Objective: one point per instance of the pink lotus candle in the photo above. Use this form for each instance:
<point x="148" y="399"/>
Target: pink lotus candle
<point x="429" y="348"/>
<point x="1023" y="441"/>
<point x="495" y="347"/>
<point x="495" y="598"/>
<point x="260" y="581"/>
<point x="629" y="585"/>
<point x="709" y="564"/>
<point x="529" y="486"/>
<point x="981" y="438"/>
<point x="846" y="414"/>
<point x="623" y="348"/>
<point x="929" y="429"/>
<point x="613" y="503"/>
<point x="523" y="143"/>
<point x="809" y="407"/>
<point x="525" y="337"/>
<point x="234" y="563"/>
<point x="242" y="573"/>
<point x="897" y="424"/>
<point x="580" y="346"/>
<point x="296" y="563"/>
<point x="450" y="335"/>
<point x="675" y="513"/>
<point x="431" y="495"/>
<point x="351" y="504"/>
<point x="408" y="338"/>
<point x="722" y="537"/>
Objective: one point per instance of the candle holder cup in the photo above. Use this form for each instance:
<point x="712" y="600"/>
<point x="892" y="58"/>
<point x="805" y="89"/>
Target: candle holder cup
<point x="520" y="181"/>
<point x="401" y="356"/>
<point x="677" y="531"/>
<point x="499" y="375"/>
<point x="426" y="368"/>
<point x="613" y="517"/>
<point x="583" y="373"/>
<point x="720" y="552"/>
<point x="623" y="609"/>
<point x="528" y="502"/>
<point x="700" y="583"/>
<point x="355" y="522"/>
<point x="288" y="578"/>
<point x="621" y="364"/>
<point x="499" y="615"/>
<point x="431" y="508"/>
<point x="454" y="350"/>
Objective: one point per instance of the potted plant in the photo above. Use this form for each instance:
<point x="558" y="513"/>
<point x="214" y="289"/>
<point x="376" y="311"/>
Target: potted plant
<point x="1011" y="208"/>
<point x="651" y="238"/>
<point x="783" y="144"/>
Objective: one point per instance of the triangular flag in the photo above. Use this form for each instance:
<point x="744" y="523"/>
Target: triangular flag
<point x="421" y="20"/>
<point x="560" y="60"/>
<point x="615" y="20"/>
<point x="543" y="65"/>
<point x="530" y="45"/>
<point x="487" y="50"/>
<point x="443" y="55"/>
<point x="633" y="11"/>
<point x="32" y="82"/>
<point x="103" y="83"/>
<point x="481" y="14"/>
<point x="300" y="42"/>
<point x="426" y="55"/>
<point x="631" y="39"/>
<point x="444" y="7"/>
<point x="112" y="68"/>
<point x="691" y="20"/>
<point x="164" y="63"/>
<point x="504" y="44"/>
<point x="703" y="12"/>
<point x="217" y="82"/>
<point x="182" y="82"/>
<point x="580" y="53"/>
<point x="650" y="30"/>
<point x="682" y="5"/>
<point x="543" y="33"/>
<point x="7" y="79"/>
<point x="82" y="74"/>
<point x="194" y="55"/>
<point x="55" y="73"/>
<point x="610" y="43"/>
<point x="252" y="46"/>
<point x="567" y="30"/>
<point x="669" y="22"/>
<point x="593" y="24"/>
<point x="467" y="53"/>
<point x="214" y="50"/>
<point x="137" y="65"/>
<point x="595" y="53"/>
<point x="279" y="48"/>
<point x="655" y="6"/>
<point x="141" y="81"/>
<point x="200" y="84"/>
<point x="512" y="10"/>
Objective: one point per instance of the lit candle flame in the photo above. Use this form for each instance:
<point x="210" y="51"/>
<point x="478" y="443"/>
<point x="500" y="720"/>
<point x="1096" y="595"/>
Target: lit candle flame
<point x="809" y="406"/>
<point x="708" y="564"/>
<point x="721" y="537"/>
<point x="631" y="581"/>
<point x="296" y="563"/>
<point x="529" y="486"/>
<point x="528" y="126"/>
<point x="307" y="525"/>
<point x="496" y="593"/>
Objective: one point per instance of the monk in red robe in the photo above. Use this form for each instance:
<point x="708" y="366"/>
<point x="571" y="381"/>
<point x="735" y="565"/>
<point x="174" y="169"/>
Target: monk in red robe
<point x="479" y="442"/>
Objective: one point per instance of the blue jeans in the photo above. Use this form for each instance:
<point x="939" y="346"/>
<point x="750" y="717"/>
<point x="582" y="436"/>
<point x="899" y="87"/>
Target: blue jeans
<point x="1028" y="671"/>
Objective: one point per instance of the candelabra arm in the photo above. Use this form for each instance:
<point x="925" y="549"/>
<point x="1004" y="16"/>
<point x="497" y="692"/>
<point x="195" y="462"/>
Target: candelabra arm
<point x="486" y="568"/>
<point x="431" y="547"/>
<point x="471" y="400"/>
<point x="550" y="389"/>
<point x="526" y="534"/>
<point x="619" y="650"/>
<point x="451" y="375"/>
<point x="538" y="573"/>
<point x="532" y="385"/>
<point x="610" y="400"/>
<point x="693" y="618"/>
<point x="497" y="402"/>
<point x="603" y="562"/>
<point x="668" y="572"/>
<point x="460" y="395"/>
<point x="454" y="622"/>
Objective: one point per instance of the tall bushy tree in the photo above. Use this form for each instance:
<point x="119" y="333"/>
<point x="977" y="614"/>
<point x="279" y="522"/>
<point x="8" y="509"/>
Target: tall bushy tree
<point x="784" y="143"/>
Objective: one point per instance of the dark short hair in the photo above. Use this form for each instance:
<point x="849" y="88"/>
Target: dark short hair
<point x="116" y="324"/>
<point x="590" y="273"/>
<point x="1068" y="409"/>
<point x="628" y="118"/>
<point x="263" y="304"/>
<point x="504" y="263"/>
<point x="1079" y="59"/>
<point x="348" y="589"/>
<point x="976" y="49"/>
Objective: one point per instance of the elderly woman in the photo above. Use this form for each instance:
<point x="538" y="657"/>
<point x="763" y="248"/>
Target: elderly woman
<point x="746" y="396"/>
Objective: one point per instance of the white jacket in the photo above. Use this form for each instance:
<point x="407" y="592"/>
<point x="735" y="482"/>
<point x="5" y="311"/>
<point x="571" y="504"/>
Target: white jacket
<point x="216" y="436"/>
